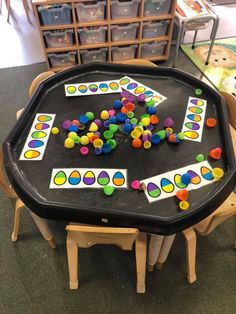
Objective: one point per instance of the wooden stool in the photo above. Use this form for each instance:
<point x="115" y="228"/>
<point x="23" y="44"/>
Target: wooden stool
<point x="83" y="236"/>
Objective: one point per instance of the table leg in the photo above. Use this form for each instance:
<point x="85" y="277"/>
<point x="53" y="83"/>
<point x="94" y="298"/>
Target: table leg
<point x="154" y="250"/>
<point x="141" y="254"/>
<point x="165" y="250"/>
<point x="44" y="228"/>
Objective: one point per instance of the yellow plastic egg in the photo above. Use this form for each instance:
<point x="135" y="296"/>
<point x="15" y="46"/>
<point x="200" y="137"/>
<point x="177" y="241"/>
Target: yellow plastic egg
<point x="84" y="140"/>
<point x="184" y="205"/>
<point x="104" y="115"/>
<point x="98" y="143"/>
<point x="135" y="134"/>
<point x="145" y="121"/>
<point x="72" y="134"/>
<point x="55" y="130"/>
<point x="139" y="128"/>
<point x="147" y="144"/>
<point x="148" y="132"/>
<point x="93" y="127"/>
<point x="69" y="143"/>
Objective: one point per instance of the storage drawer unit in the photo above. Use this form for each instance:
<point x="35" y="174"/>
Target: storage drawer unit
<point x="94" y="55"/>
<point x="156" y="7"/>
<point x="124" y="53"/>
<point x="90" y="11"/>
<point x="55" y="14"/>
<point x="155" y="29"/>
<point x="124" y="32"/>
<point x="154" y="49"/>
<point x="124" y="9"/>
<point x="82" y="31"/>
<point x="59" y="38"/>
<point x="92" y="35"/>
<point x="58" y="60"/>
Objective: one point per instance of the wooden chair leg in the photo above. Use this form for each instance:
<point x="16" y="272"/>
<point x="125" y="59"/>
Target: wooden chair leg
<point x="141" y="254"/>
<point x="165" y="250"/>
<point x="191" y="242"/>
<point x="44" y="229"/>
<point x="154" y="250"/>
<point x="72" y="256"/>
<point x="234" y="232"/>
<point x="18" y="206"/>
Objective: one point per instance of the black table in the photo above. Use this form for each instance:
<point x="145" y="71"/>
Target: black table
<point x="125" y="207"/>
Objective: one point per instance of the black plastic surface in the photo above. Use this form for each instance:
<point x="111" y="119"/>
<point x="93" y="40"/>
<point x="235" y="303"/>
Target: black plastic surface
<point x="125" y="207"/>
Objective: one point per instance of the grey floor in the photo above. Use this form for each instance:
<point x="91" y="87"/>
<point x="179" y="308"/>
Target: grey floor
<point x="34" y="278"/>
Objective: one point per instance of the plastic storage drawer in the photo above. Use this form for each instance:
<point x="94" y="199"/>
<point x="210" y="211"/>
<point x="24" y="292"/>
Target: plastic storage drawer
<point x="55" y="14"/>
<point x="153" y="49"/>
<point x="90" y="11"/>
<point x="55" y="39"/>
<point x="124" y="32"/>
<point x="124" y="53"/>
<point x="95" y="55"/>
<point x="156" y="7"/>
<point x="154" y="29"/>
<point x="90" y="36"/>
<point x="124" y="9"/>
<point x="58" y="60"/>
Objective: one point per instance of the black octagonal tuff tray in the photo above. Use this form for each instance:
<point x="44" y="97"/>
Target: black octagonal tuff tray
<point x="125" y="207"/>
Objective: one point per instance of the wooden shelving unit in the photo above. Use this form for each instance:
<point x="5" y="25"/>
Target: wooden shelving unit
<point x="108" y="22"/>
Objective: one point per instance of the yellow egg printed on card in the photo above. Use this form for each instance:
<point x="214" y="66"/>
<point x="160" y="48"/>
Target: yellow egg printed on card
<point x="139" y="90"/>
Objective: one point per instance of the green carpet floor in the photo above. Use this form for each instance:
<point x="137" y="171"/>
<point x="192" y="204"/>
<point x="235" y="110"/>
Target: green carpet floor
<point x="34" y="278"/>
<point x="221" y="70"/>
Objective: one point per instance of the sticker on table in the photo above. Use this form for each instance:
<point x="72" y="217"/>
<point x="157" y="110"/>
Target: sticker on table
<point x="135" y="88"/>
<point x="37" y="139"/>
<point x="93" y="88"/>
<point x="165" y="185"/>
<point x="194" y="119"/>
<point x="78" y="178"/>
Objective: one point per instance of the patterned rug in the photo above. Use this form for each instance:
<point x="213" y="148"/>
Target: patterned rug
<point x="221" y="70"/>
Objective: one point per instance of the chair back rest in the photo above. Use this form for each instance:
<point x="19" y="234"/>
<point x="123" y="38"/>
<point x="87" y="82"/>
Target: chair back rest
<point x="7" y="189"/>
<point x="224" y="212"/>
<point x="231" y="107"/>
<point x="87" y="235"/>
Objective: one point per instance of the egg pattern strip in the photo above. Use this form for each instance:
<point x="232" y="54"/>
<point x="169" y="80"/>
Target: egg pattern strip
<point x="78" y="178"/>
<point x="92" y="88"/>
<point x="194" y="119"/>
<point x="166" y="184"/>
<point x="36" y="142"/>
<point x="136" y="88"/>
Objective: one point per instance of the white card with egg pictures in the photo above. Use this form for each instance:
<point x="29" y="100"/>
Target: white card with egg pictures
<point x="37" y="139"/>
<point x="78" y="178"/>
<point x="194" y="119"/>
<point x="93" y="88"/>
<point x="135" y="88"/>
<point x="167" y="184"/>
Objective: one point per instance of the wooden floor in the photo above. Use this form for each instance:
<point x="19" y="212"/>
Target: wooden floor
<point x="21" y="44"/>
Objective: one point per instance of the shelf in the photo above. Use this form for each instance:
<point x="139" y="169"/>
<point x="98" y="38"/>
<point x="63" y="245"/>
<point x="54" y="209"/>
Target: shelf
<point x="60" y="49"/>
<point x="56" y="27"/>
<point x="105" y="22"/>
<point x="108" y="22"/>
